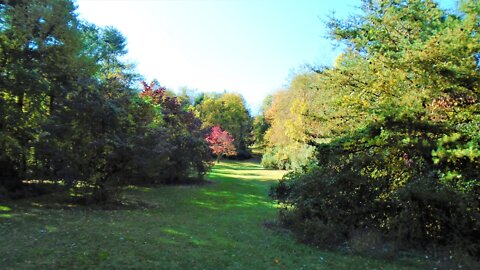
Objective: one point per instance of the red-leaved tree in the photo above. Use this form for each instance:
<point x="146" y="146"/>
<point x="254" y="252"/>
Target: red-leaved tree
<point x="221" y="143"/>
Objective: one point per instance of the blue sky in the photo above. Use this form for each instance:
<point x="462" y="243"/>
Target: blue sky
<point x="247" y="46"/>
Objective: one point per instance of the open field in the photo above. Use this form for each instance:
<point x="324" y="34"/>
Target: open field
<point x="219" y="225"/>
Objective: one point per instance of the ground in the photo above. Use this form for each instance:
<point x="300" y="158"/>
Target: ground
<point x="219" y="225"/>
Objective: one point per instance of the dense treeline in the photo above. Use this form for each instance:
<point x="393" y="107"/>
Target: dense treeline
<point x="386" y="143"/>
<point x="70" y="113"/>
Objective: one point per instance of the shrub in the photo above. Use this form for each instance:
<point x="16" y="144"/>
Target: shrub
<point x="297" y="157"/>
<point x="388" y="184"/>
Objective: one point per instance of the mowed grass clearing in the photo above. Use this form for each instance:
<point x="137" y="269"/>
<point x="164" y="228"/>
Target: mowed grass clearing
<point x="212" y="226"/>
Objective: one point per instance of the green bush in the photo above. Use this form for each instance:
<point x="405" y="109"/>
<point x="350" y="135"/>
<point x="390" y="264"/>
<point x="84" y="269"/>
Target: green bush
<point x="273" y="158"/>
<point x="383" y="179"/>
<point x="297" y="157"/>
<point x="395" y="124"/>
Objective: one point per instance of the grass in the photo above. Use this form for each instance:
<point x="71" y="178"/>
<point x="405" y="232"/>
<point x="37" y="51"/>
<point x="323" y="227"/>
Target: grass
<point x="212" y="226"/>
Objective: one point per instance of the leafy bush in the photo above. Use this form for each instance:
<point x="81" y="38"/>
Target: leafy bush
<point x="275" y="158"/>
<point x="384" y="179"/>
<point x="395" y="127"/>
<point x="297" y="157"/>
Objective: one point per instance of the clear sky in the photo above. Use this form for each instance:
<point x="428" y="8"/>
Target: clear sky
<point x="247" y="46"/>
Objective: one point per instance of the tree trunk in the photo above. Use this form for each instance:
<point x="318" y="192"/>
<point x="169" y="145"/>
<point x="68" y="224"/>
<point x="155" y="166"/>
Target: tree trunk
<point x="50" y="105"/>
<point x="20" y="101"/>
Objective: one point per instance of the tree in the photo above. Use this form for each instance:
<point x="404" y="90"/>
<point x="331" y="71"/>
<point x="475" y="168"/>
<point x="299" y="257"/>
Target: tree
<point x="40" y="63"/>
<point x="395" y="128"/>
<point x="290" y="125"/>
<point x="221" y="143"/>
<point x="189" y="151"/>
<point x="229" y="111"/>
<point x="69" y="111"/>
<point x="260" y="124"/>
<point x="259" y="127"/>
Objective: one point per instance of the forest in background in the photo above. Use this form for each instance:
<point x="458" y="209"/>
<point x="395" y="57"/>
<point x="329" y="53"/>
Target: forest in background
<point x="383" y="148"/>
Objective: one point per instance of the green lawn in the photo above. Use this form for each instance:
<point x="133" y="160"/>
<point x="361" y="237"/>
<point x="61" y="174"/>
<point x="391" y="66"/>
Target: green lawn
<point x="212" y="226"/>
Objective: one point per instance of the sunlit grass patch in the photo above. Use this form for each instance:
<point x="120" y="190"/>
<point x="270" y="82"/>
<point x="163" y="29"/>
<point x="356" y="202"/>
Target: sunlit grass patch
<point x="215" y="226"/>
<point x="4" y="208"/>
<point x="245" y="170"/>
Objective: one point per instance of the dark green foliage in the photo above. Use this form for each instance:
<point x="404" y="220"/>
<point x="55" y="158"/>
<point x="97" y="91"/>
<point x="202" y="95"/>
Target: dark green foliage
<point x="397" y="137"/>
<point x="69" y="111"/>
<point x="38" y="45"/>
<point x="376" y="181"/>
<point x="188" y="151"/>
<point x="260" y="126"/>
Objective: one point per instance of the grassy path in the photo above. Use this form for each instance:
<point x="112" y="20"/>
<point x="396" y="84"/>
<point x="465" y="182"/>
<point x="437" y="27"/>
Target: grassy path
<point x="214" y="226"/>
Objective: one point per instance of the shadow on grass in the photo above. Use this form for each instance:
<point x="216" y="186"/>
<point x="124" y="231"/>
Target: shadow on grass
<point x="217" y="226"/>
<point x="19" y="209"/>
<point x="246" y="182"/>
<point x="37" y="195"/>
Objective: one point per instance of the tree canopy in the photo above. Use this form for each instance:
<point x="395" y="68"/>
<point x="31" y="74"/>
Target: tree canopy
<point x="70" y="111"/>
<point x="221" y="143"/>
<point x="393" y="127"/>
<point x="230" y="112"/>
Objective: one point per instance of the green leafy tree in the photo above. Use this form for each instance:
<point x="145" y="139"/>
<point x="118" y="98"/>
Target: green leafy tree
<point x="260" y="124"/>
<point x="396" y="148"/>
<point x="70" y="112"/>
<point x="189" y="152"/>
<point x="229" y="111"/>
<point x="39" y="42"/>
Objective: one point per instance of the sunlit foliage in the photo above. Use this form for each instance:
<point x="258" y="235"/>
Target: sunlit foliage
<point x="395" y="128"/>
<point x="70" y="113"/>
<point x="221" y="143"/>
<point x="230" y="112"/>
